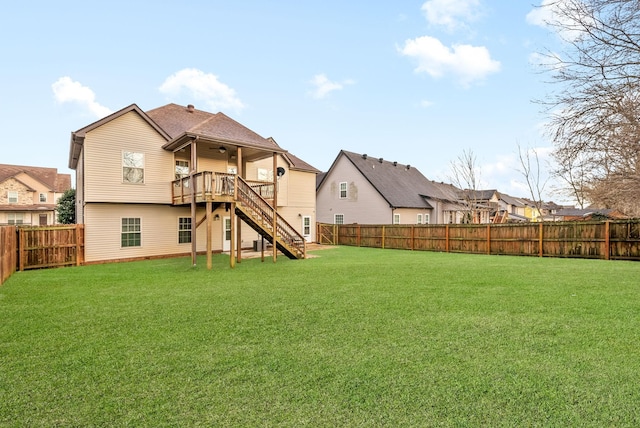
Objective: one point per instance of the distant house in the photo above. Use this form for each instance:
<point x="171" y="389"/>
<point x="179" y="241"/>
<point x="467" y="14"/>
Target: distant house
<point x="177" y="180"/>
<point x="577" y="214"/>
<point x="29" y="194"/>
<point x="359" y="188"/>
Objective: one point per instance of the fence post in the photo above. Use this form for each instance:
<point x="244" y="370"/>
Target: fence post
<point x="358" y="236"/>
<point x="489" y="238"/>
<point x="540" y="240"/>
<point x="383" y="237"/>
<point x="446" y="238"/>
<point x="413" y="237"/>
<point x="20" y="249"/>
<point x="607" y="240"/>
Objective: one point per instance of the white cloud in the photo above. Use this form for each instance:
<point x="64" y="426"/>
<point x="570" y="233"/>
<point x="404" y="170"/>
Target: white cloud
<point x="468" y="63"/>
<point x="451" y="14"/>
<point x="66" y="90"/>
<point x="323" y="86"/>
<point x="426" y="103"/>
<point x="201" y="86"/>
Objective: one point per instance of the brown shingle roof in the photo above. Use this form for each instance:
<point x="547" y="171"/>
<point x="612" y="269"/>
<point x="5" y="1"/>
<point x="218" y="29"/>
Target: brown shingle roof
<point x="47" y="176"/>
<point x="299" y="164"/>
<point x="177" y="120"/>
<point x="402" y="186"/>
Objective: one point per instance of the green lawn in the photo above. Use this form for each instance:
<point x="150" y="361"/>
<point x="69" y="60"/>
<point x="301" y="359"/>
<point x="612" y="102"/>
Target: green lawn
<point x="354" y="337"/>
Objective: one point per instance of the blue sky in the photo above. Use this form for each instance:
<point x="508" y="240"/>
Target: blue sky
<point x="416" y="82"/>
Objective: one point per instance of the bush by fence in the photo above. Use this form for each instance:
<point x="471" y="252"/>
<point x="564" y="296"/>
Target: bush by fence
<point x="25" y="248"/>
<point x="619" y="240"/>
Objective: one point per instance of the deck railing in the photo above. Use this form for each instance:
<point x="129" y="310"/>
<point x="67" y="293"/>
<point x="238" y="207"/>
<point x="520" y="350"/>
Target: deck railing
<point x="262" y="213"/>
<point x="213" y="186"/>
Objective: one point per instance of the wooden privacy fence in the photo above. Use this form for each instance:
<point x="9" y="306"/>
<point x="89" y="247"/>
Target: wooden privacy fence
<point x="25" y="248"/>
<point x="8" y="252"/>
<point x="618" y="240"/>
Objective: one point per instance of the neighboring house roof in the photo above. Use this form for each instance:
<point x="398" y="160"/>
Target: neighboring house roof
<point x="588" y="212"/>
<point x="511" y="200"/>
<point x="402" y="186"/>
<point x="49" y="177"/>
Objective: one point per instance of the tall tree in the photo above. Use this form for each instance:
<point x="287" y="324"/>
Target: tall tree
<point x="66" y="207"/>
<point x="465" y="175"/>
<point x="594" y="116"/>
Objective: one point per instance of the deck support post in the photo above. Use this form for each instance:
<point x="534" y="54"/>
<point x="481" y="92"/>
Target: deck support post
<point x="209" y="228"/>
<point x="275" y="206"/>
<point x="232" y="244"/>
<point x="192" y="182"/>
<point x="239" y="173"/>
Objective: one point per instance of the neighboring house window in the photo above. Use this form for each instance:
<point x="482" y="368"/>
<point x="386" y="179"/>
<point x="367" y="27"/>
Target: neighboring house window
<point x="15" y="218"/>
<point x="182" y="169"/>
<point x="130" y="232"/>
<point x="184" y="230"/>
<point x="419" y="219"/>
<point x="426" y="218"/>
<point x="338" y="218"/>
<point x="132" y="167"/>
<point x="43" y="197"/>
<point x="343" y="190"/>
<point x="396" y="219"/>
<point x="12" y="196"/>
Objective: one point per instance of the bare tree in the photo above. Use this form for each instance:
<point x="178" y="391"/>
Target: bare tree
<point x="530" y="170"/>
<point x="465" y="175"/>
<point x="594" y="116"/>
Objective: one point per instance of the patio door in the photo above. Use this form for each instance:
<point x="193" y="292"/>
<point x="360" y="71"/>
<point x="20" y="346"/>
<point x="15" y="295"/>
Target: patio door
<point x="226" y="233"/>
<point x="306" y="228"/>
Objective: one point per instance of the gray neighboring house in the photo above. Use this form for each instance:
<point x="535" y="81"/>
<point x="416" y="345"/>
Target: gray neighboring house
<point x="362" y="189"/>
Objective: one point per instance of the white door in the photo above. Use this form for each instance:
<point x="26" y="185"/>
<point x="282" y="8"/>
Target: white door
<point x="226" y="233"/>
<point x="306" y="228"/>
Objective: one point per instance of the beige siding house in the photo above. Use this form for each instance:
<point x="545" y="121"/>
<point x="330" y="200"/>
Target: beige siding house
<point x="362" y="189"/>
<point x="176" y="180"/>
<point x="29" y="194"/>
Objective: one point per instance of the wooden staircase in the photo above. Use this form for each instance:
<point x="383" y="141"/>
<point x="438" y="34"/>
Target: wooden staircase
<point x="259" y="214"/>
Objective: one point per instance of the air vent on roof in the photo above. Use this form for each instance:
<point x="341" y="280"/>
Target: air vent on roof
<point x="364" y="156"/>
<point x="190" y="108"/>
<point x="408" y="167"/>
<point x="395" y="163"/>
<point x="380" y="160"/>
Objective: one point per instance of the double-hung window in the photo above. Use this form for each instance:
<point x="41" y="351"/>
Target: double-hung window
<point x="15" y="218"/>
<point x="43" y="198"/>
<point x="131" y="232"/>
<point x="396" y="219"/>
<point x="419" y="219"/>
<point x="132" y="167"/>
<point x="426" y="218"/>
<point x="12" y="196"/>
<point x="184" y="230"/>
<point x="343" y="190"/>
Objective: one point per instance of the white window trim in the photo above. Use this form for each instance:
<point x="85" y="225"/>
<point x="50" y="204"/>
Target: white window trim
<point x="419" y="219"/>
<point x="12" y="192"/>
<point x="427" y="219"/>
<point x="184" y="230"/>
<point x="346" y="190"/>
<point x="396" y="219"/>
<point x="40" y="198"/>
<point x="125" y="166"/>
<point x="335" y="219"/>
<point x="121" y="232"/>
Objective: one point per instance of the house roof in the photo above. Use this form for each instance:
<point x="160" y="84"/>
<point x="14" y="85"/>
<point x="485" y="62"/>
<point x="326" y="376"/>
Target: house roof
<point x="402" y="186"/>
<point x="184" y="123"/>
<point x="300" y="165"/>
<point x="47" y="176"/>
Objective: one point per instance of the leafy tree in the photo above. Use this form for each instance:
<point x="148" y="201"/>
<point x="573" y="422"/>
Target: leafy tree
<point x="66" y="207"/>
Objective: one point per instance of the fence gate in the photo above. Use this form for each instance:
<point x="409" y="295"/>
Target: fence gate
<point x="327" y="234"/>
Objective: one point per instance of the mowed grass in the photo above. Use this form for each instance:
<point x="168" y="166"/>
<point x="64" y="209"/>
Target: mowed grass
<point x="353" y="337"/>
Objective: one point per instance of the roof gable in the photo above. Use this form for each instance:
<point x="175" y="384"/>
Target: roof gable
<point x="402" y="186"/>
<point x="77" y="138"/>
<point x="49" y="177"/>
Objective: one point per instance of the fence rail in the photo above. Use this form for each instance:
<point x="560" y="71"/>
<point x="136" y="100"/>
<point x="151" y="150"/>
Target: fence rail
<point x="616" y="240"/>
<point x="24" y="248"/>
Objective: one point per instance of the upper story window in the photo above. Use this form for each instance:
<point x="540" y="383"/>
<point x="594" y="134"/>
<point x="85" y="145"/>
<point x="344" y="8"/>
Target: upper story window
<point x="419" y="219"/>
<point x="182" y="169"/>
<point x="132" y="167"/>
<point x="427" y="218"/>
<point x="343" y="190"/>
<point x="43" y="197"/>
<point x="265" y="174"/>
<point x="12" y="196"/>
